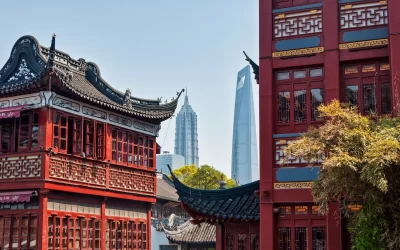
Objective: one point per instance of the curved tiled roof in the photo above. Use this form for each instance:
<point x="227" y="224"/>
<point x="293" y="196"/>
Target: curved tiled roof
<point x="239" y="203"/>
<point x="189" y="233"/>
<point x="30" y="65"/>
<point x="166" y="190"/>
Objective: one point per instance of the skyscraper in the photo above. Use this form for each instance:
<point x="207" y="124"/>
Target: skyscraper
<point x="173" y="160"/>
<point x="186" y="143"/>
<point x="244" y="143"/>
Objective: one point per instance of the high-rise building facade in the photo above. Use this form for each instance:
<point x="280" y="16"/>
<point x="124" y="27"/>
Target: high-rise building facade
<point x="173" y="160"/>
<point x="186" y="143"/>
<point x="244" y="142"/>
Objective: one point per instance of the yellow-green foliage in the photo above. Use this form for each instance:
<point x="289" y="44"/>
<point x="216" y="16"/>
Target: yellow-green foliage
<point x="205" y="177"/>
<point x="361" y="159"/>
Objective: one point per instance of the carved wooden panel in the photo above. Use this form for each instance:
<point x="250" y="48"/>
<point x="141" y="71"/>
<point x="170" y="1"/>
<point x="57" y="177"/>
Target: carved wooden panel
<point x="298" y="24"/>
<point x="74" y="170"/>
<point x="280" y="145"/>
<point x="363" y="15"/>
<point x="131" y="180"/>
<point x="14" y="167"/>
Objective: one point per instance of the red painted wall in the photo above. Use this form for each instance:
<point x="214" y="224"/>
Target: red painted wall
<point x="331" y="59"/>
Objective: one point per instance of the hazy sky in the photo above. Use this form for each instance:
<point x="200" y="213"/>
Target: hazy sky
<point x="155" y="48"/>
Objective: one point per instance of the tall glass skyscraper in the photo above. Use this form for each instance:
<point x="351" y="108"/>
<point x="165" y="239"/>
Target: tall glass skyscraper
<point x="244" y="143"/>
<point x="186" y="143"/>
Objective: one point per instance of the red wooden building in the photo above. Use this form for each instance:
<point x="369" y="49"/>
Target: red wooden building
<point x="311" y="52"/>
<point x="77" y="162"/>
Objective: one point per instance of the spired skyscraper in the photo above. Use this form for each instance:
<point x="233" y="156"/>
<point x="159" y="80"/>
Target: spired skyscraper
<point x="244" y="142"/>
<point x="186" y="143"/>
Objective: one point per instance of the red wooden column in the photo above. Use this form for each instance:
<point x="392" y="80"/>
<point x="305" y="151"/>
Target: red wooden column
<point x="103" y="223"/>
<point x="333" y="227"/>
<point x="149" y="225"/>
<point x="43" y="221"/>
<point x="394" y="49"/>
<point x="267" y="109"/>
<point x="332" y="91"/>
<point x="330" y="13"/>
<point x="219" y="238"/>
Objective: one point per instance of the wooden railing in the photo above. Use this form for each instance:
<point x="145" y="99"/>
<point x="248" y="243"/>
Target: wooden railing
<point x="21" y="166"/>
<point x="76" y="171"/>
<point x="97" y="174"/>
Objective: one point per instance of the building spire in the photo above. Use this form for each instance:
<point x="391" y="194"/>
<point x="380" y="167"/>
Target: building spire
<point x="52" y="53"/>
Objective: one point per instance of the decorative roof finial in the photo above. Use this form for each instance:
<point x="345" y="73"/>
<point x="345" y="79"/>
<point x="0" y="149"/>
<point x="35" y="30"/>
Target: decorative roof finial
<point x="254" y="66"/>
<point x="127" y="102"/>
<point x="52" y="53"/>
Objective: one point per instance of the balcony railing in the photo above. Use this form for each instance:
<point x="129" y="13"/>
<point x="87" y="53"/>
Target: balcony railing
<point x="77" y="171"/>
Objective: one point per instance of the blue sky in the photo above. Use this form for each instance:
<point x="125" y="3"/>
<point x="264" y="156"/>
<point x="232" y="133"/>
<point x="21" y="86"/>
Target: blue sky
<point x="155" y="48"/>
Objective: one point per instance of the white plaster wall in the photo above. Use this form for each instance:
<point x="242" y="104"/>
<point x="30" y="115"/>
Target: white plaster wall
<point x="157" y="239"/>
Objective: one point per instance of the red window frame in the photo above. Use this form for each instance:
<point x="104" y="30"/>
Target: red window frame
<point x="297" y="220"/>
<point x="65" y="231"/>
<point x="126" y="234"/>
<point x="30" y="123"/>
<point x="374" y="74"/>
<point x="132" y="148"/>
<point x="19" y="227"/>
<point x="100" y="140"/>
<point x="7" y="137"/>
<point x="60" y="132"/>
<point x="292" y="82"/>
<point x="87" y="136"/>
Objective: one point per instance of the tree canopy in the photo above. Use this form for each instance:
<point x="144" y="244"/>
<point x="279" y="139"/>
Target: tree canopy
<point x="204" y="177"/>
<point x="361" y="164"/>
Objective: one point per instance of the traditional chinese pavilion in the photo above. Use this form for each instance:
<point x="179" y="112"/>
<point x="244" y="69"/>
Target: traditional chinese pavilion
<point x="311" y="52"/>
<point x="77" y="162"/>
<point x="234" y="212"/>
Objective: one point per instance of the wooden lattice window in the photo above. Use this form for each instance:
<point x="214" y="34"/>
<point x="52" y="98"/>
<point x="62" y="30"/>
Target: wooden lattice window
<point x="299" y="94"/>
<point x="300" y="238"/>
<point x="73" y="233"/>
<point x="367" y="86"/>
<point x="89" y="134"/>
<point x="20" y="231"/>
<point x="318" y="238"/>
<point x="7" y="130"/>
<point x="78" y="136"/>
<point x="100" y="140"/>
<point x="28" y="131"/>
<point x="126" y="235"/>
<point x="122" y="145"/>
<point x="285" y="239"/>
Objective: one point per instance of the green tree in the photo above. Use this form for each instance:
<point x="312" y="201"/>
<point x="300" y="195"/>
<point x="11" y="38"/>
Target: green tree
<point x="361" y="164"/>
<point x="204" y="177"/>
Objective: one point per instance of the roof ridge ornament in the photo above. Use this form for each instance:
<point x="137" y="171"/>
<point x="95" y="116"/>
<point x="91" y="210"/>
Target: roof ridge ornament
<point x="254" y="66"/>
<point x="82" y="65"/>
<point x="52" y="53"/>
<point x="127" y="99"/>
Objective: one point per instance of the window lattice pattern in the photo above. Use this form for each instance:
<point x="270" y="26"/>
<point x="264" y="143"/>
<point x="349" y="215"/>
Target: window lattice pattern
<point x="285" y="241"/>
<point x="300" y="106"/>
<point x="318" y="238"/>
<point x="295" y="24"/>
<point x="300" y="238"/>
<point x="317" y="98"/>
<point x="363" y="15"/>
<point x="284" y="107"/>
<point x="369" y="100"/>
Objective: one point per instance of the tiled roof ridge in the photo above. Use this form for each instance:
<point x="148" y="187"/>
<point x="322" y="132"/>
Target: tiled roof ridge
<point x="30" y="62"/>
